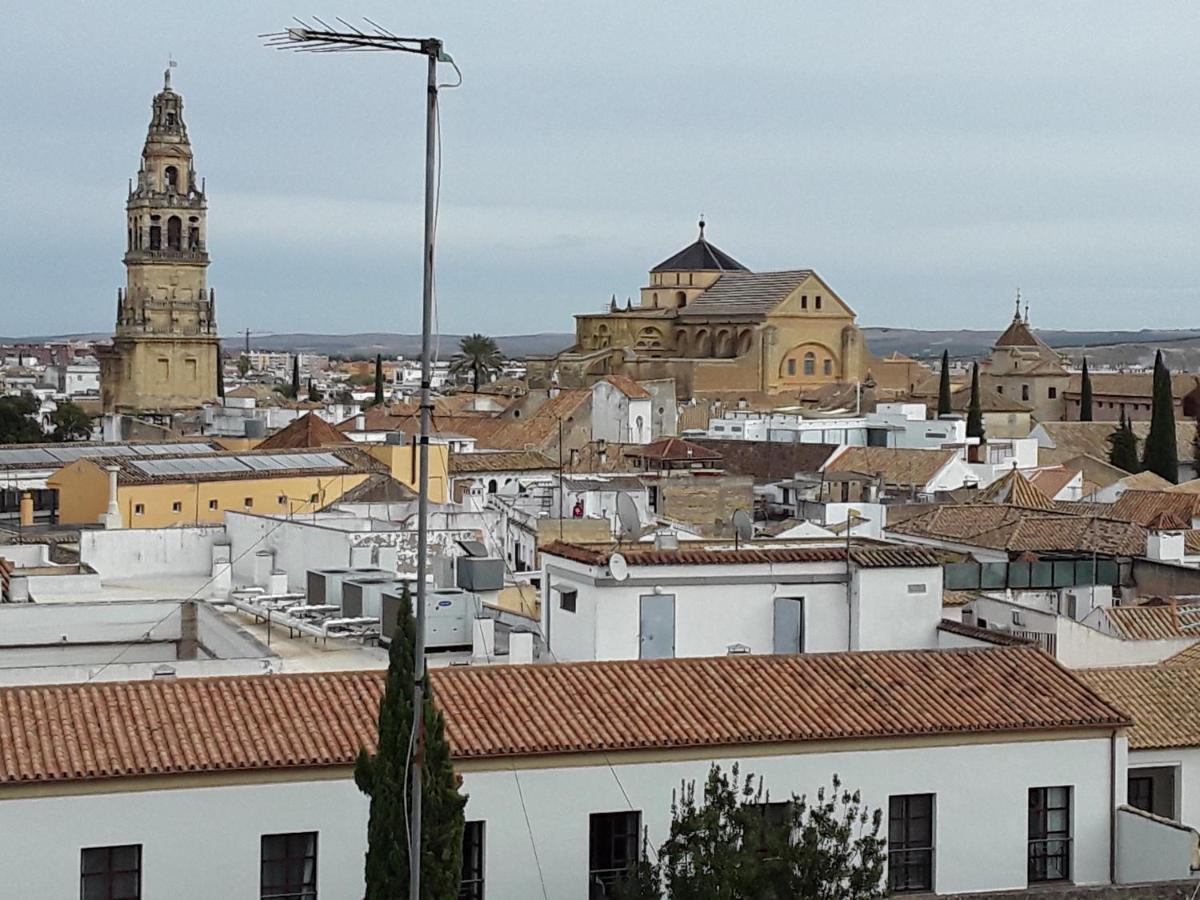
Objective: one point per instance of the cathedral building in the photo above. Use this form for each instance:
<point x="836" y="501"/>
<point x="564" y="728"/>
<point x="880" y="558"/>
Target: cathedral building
<point x="165" y="352"/>
<point x="1023" y="367"/>
<point x="717" y="328"/>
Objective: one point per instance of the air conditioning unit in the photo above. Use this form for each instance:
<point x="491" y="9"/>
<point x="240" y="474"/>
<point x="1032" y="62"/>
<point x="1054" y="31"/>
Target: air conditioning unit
<point x="361" y="595"/>
<point x="476" y="573"/>
<point x="449" y="615"/>
<point x="325" y="586"/>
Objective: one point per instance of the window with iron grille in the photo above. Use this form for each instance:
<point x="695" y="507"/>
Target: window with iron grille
<point x="1050" y="834"/>
<point x="289" y="866"/>
<point x="910" y="843"/>
<point x="471" y="886"/>
<point x="111" y="873"/>
<point x="613" y="839"/>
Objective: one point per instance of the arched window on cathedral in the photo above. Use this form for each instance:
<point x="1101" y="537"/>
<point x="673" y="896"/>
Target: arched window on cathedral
<point x="810" y="363"/>
<point x="171" y="179"/>
<point x="174" y="233"/>
<point x="155" y="233"/>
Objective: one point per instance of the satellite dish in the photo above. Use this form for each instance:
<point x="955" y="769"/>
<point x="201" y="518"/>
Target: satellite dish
<point x="618" y="567"/>
<point x="743" y="526"/>
<point x="627" y="516"/>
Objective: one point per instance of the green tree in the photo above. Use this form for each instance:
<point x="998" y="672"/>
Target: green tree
<point x="295" y="377"/>
<point x="314" y="395"/>
<point x="975" y="407"/>
<point x="1160" y="455"/>
<point x="243" y="365"/>
<point x="1122" y="447"/>
<point x="220" y="374"/>
<point x="734" y="844"/>
<point x="378" y="378"/>
<point x="18" y="422"/>
<point x="1085" y="394"/>
<point x="944" y="386"/>
<point x="70" y="423"/>
<point x="479" y="357"/>
<point x="383" y="776"/>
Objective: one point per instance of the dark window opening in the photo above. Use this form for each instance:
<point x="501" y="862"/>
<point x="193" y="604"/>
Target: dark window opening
<point x="1152" y="789"/>
<point x="289" y="866"/>
<point x="111" y="873"/>
<point x="1049" y="834"/>
<point x="910" y="843"/>
<point x="828" y="366"/>
<point x="567" y="599"/>
<point x="1053" y="393"/>
<point x="174" y="233"/>
<point x="155" y="237"/>
<point x="804" y="301"/>
<point x="471" y="885"/>
<point x="171" y="179"/>
<point x="194" y="238"/>
<point x="613" y="848"/>
<point x="817" y="301"/>
<point x="1024" y="392"/>
<point x="810" y="364"/>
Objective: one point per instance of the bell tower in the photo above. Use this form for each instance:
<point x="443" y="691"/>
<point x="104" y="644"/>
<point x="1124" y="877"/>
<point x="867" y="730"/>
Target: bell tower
<point x="165" y="350"/>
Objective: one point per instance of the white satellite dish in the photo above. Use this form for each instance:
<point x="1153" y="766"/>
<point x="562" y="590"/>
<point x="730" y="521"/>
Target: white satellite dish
<point x="618" y="567"/>
<point x="743" y="526"/>
<point x="627" y="516"/>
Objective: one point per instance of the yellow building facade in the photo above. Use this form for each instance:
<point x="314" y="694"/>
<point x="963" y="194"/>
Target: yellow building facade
<point x="715" y="327"/>
<point x="165" y="350"/>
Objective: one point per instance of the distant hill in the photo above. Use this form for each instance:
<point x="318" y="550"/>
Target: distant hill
<point x="964" y="343"/>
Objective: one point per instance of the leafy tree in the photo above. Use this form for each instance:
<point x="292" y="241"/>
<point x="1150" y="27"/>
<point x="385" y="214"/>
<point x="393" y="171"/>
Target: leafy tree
<point x="733" y="844"/>
<point x="944" y="386"/>
<point x="378" y="378"/>
<point x="975" y="407"/>
<point x="478" y="356"/>
<point x="243" y="365"/>
<point x="295" y="377"/>
<point x="18" y="424"/>
<point x="1122" y="447"/>
<point x="70" y="423"/>
<point x="220" y="374"/>
<point x="383" y="776"/>
<point x="314" y="395"/>
<point x="1085" y="394"/>
<point x="1161" y="454"/>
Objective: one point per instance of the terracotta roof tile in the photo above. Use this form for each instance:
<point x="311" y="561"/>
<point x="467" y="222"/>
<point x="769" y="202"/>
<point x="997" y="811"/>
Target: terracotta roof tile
<point x="1161" y="699"/>
<point x="700" y="553"/>
<point x="986" y="635"/>
<point x="673" y="449"/>
<point x="769" y="461"/>
<point x="1153" y="622"/>
<point x="1189" y="656"/>
<point x="896" y="465"/>
<point x="310" y="430"/>
<point x="1016" y="489"/>
<point x="1144" y="507"/>
<point x="500" y="461"/>
<point x="628" y="387"/>
<point x="1052" y="479"/>
<point x="499" y="711"/>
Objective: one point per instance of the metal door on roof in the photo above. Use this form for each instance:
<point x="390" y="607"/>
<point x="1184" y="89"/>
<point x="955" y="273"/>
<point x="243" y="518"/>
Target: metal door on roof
<point x="789" y="625"/>
<point x="657" y="630"/>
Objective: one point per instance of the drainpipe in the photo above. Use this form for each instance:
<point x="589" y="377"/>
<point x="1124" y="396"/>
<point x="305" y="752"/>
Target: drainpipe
<point x="1112" y="803"/>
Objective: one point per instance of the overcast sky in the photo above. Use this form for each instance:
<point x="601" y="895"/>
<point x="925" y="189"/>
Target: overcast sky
<point x="924" y="158"/>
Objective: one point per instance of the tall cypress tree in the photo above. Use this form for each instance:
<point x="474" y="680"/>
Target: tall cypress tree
<point x="1161" y="454"/>
<point x="975" y="408"/>
<point x="220" y="374"/>
<point x="1122" y="447"/>
<point x="1085" y="394"/>
<point x="378" y="377"/>
<point x="944" y="386"/>
<point x="295" y="377"/>
<point x="384" y="776"/>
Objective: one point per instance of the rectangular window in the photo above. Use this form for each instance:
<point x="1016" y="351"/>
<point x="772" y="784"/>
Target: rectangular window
<point x="791" y="368"/>
<point x="283" y="499"/>
<point x="249" y="502"/>
<point x="1049" y="834"/>
<point x="917" y="589"/>
<point x="910" y="843"/>
<point x="804" y="301"/>
<point x="1024" y="392"/>
<point x="817" y="301"/>
<point x="566" y="600"/>
<point x="1152" y="789"/>
<point x="139" y="509"/>
<point x="827" y="366"/>
<point x="613" y="840"/>
<point x="212" y="504"/>
<point x="176" y="507"/>
<point x="289" y="866"/>
<point x="471" y="886"/>
<point x="111" y="873"/>
<point x="1052" y="392"/>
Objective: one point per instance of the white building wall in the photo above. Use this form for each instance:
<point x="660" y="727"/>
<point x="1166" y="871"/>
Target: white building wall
<point x="897" y="609"/>
<point x="1186" y="762"/>
<point x="197" y="843"/>
<point x="974" y="851"/>
<point x="148" y="552"/>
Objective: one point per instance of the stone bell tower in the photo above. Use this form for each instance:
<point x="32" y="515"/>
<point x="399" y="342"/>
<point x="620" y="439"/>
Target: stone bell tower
<point x="165" y="350"/>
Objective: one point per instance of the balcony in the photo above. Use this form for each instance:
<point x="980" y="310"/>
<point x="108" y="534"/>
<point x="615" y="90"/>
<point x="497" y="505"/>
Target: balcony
<point x="143" y="255"/>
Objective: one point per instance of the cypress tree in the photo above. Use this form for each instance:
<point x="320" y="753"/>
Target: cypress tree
<point x="1160" y="454"/>
<point x="378" y="377"/>
<point x="1122" y="447"/>
<point x="944" y="386"/>
<point x="220" y="374"/>
<point x="295" y="377"/>
<point x="1085" y="394"/>
<point x="1196" y="447"/>
<point x="384" y="777"/>
<point x="975" y="408"/>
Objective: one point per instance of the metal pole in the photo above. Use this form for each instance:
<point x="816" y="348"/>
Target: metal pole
<point x="432" y="49"/>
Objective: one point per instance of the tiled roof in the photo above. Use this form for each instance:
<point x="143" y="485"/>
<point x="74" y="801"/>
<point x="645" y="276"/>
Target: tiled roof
<point x="310" y="430"/>
<point x="628" y="387"/>
<point x="1145" y="506"/>
<point x="1151" y="622"/>
<point x="498" y="711"/>
<point x="1006" y="527"/>
<point x="1184" y="487"/>
<point x="1148" y="481"/>
<point x="351" y="460"/>
<point x="769" y="461"/>
<point x="699" y="256"/>
<point x="673" y="449"/>
<point x="1191" y="542"/>
<point x="1082" y="508"/>
<point x="1052" y="479"/>
<point x="378" y="487"/>
<point x="746" y="293"/>
<point x="540" y="430"/>
<point x="956" y="598"/>
<point x="898" y="466"/>
<point x="500" y="461"/>
<point x="1018" y="334"/>
<point x="1138" y="385"/>
<point x="868" y="555"/>
<point x="1016" y="489"/>
<point x="1188" y="656"/>
<point x="114" y="729"/>
<point x="1161" y="700"/>
<point x="1070" y="439"/>
<point x="986" y="635"/>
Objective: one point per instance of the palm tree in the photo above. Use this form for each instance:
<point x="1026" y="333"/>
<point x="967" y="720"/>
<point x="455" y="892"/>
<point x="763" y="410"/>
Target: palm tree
<point x="479" y="355"/>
